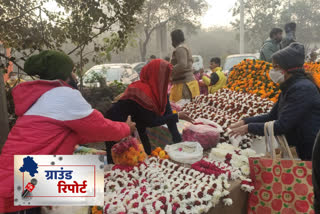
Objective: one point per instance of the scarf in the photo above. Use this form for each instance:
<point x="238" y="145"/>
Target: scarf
<point x="151" y="90"/>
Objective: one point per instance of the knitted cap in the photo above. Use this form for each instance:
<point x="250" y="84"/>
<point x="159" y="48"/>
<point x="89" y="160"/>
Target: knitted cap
<point x="49" y="65"/>
<point x="290" y="57"/>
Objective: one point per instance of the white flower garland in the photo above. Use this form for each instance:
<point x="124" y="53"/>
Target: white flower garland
<point x="163" y="187"/>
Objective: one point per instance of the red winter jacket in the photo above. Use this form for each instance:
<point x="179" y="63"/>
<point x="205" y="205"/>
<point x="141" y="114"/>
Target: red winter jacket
<point x="53" y="118"/>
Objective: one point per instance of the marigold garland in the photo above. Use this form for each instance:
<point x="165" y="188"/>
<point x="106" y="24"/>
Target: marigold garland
<point x="314" y="69"/>
<point x="252" y="76"/>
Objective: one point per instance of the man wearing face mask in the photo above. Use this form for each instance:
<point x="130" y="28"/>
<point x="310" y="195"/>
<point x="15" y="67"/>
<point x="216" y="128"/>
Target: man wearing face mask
<point x="13" y="80"/>
<point x="297" y="112"/>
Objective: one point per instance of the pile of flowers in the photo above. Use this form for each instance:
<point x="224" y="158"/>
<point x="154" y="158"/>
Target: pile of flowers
<point x="129" y="152"/>
<point x="233" y="157"/>
<point x="160" y="186"/>
<point x="160" y="153"/>
<point x="314" y="69"/>
<point x="252" y="76"/>
<point x="226" y="107"/>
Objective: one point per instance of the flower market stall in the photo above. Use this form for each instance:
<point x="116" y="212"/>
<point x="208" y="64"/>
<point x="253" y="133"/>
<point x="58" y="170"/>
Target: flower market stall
<point x="217" y="183"/>
<point x="215" y="180"/>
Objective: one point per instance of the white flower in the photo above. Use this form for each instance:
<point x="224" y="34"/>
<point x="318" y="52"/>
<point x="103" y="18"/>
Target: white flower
<point x="245" y="170"/>
<point x="227" y="201"/>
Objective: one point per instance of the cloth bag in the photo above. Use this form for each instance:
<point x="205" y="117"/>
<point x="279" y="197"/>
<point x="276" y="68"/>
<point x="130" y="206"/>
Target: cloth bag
<point x="204" y="131"/>
<point x="185" y="152"/>
<point x="281" y="186"/>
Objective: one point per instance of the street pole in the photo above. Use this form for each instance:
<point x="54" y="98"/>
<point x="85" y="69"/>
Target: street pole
<point x="241" y="27"/>
<point x="4" y="121"/>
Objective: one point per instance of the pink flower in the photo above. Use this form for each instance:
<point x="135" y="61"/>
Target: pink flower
<point x="180" y="149"/>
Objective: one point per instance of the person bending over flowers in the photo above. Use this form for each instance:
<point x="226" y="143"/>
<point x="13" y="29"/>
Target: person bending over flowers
<point x="147" y="102"/>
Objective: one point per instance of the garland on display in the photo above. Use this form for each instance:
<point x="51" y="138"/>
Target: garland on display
<point x="226" y="107"/>
<point x="161" y="186"/>
<point x="252" y="76"/>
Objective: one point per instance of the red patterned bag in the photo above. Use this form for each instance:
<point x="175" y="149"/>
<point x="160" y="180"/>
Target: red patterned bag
<point x="281" y="186"/>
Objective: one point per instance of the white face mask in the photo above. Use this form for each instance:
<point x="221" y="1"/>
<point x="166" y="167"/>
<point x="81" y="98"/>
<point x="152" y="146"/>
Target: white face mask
<point x="13" y="77"/>
<point x="276" y="76"/>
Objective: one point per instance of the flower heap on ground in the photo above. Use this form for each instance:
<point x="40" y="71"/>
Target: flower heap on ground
<point x="252" y="76"/>
<point x="314" y="69"/>
<point x="160" y="186"/>
<point x="226" y="107"/>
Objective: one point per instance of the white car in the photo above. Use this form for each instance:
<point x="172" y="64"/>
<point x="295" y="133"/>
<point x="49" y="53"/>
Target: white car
<point x="233" y="60"/>
<point x="111" y="72"/>
<point x="197" y="62"/>
<point x="138" y="66"/>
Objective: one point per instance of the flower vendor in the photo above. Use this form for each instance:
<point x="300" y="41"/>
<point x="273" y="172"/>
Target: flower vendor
<point x="217" y="79"/>
<point x="271" y="45"/>
<point x="202" y="85"/>
<point x="297" y="112"/>
<point x="147" y="102"/>
<point x="316" y="175"/>
<point x="53" y="119"/>
<point x="185" y="86"/>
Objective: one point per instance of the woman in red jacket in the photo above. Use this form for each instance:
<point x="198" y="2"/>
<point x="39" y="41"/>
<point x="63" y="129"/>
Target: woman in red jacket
<point x="53" y="118"/>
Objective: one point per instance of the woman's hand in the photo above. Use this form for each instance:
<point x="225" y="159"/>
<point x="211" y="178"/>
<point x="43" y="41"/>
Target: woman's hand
<point x="184" y="116"/>
<point x="239" y="131"/>
<point x="237" y="125"/>
<point x="131" y="124"/>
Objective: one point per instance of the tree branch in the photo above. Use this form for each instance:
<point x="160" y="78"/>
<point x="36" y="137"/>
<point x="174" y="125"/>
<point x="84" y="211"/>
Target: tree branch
<point x="17" y="17"/>
<point x="9" y="59"/>
<point x="91" y="38"/>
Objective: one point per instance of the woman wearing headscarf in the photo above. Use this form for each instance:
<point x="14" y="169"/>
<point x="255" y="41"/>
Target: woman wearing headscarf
<point x="147" y="102"/>
<point x="184" y="84"/>
<point x="297" y="112"/>
<point x="53" y="119"/>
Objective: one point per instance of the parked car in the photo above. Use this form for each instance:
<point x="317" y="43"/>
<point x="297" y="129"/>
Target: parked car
<point x="110" y="72"/>
<point x="138" y="66"/>
<point x="233" y="60"/>
<point x="197" y="62"/>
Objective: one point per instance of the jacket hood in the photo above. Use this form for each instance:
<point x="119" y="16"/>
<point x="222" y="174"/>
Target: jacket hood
<point x="27" y="93"/>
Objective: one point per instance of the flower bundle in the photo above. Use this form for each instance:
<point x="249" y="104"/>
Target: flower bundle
<point x="252" y="76"/>
<point x="160" y="153"/>
<point x="160" y="186"/>
<point x="226" y="107"/>
<point x="128" y="152"/>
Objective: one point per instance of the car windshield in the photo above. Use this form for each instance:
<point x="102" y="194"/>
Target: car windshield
<point x="232" y="61"/>
<point x="195" y="59"/>
<point x="114" y="74"/>
<point x="110" y="73"/>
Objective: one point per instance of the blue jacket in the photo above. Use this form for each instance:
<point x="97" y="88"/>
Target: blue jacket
<point x="296" y="115"/>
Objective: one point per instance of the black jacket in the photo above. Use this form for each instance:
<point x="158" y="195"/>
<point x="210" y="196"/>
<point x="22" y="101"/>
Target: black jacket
<point x="143" y="119"/>
<point x="296" y="115"/>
